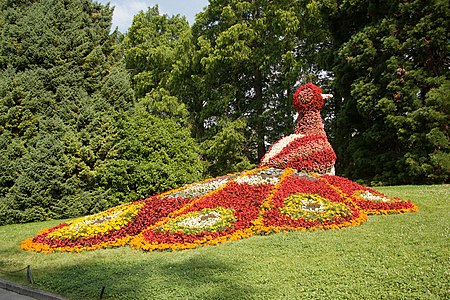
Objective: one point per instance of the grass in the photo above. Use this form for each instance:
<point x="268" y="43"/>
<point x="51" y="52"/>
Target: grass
<point x="389" y="257"/>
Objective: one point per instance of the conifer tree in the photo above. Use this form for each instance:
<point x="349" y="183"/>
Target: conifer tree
<point x="62" y="90"/>
<point x="159" y="152"/>
<point x="391" y="63"/>
<point x="73" y="140"/>
<point x="248" y="60"/>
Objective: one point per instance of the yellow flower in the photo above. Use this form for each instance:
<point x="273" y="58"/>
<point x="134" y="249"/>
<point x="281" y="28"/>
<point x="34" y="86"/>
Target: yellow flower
<point x="112" y="219"/>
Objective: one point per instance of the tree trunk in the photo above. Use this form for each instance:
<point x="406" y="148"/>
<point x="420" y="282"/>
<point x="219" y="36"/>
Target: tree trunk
<point x="259" y="104"/>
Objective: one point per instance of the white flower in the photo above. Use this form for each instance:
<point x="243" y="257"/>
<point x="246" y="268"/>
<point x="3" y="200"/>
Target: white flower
<point x="201" y="221"/>
<point x="200" y="188"/>
<point x="332" y="171"/>
<point x="257" y="179"/>
<point x="371" y="197"/>
<point x="89" y="221"/>
<point x="280" y="145"/>
<point x="312" y="206"/>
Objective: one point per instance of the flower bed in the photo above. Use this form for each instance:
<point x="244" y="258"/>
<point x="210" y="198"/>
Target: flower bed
<point x="305" y="202"/>
<point x="277" y="196"/>
<point x="66" y="238"/>
<point x="241" y="197"/>
<point x="232" y="207"/>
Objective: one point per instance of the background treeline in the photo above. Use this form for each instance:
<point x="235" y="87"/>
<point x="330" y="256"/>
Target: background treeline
<point x="90" y="118"/>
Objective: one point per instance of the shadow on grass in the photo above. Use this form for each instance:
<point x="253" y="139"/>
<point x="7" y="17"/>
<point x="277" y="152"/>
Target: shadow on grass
<point x="206" y="278"/>
<point x="171" y="276"/>
<point x="11" y="268"/>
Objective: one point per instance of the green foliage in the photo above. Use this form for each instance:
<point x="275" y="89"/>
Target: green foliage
<point x="389" y="257"/>
<point x="155" y="53"/>
<point x="153" y="45"/>
<point x="248" y="59"/>
<point x="73" y="141"/>
<point x="151" y="155"/>
<point x="392" y="89"/>
<point x="160" y="103"/>
<point x="62" y="91"/>
<point x="225" y="153"/>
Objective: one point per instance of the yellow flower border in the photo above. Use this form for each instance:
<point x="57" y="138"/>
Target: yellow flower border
<point x="29" y="244"/>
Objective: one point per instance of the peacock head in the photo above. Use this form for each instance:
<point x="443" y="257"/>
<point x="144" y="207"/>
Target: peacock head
<point x="308" y="97"/>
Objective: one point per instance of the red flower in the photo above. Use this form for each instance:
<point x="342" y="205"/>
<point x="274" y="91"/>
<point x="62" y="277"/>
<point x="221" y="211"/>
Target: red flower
<point x="244" y="199"/>
<point x="308" y="97"/>
<point x="298" y="184"/>
<point x="312" y="153"/>
<point x="370" y="205"/>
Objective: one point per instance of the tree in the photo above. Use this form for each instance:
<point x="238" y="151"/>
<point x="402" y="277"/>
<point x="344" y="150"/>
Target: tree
<point x="225" y="153"/>
<point x="153" y="150"/>
<point x="248" y="60"/>
<point x="153" y="45"/>
<point x="73" y="139"/>
<point x="62" y="90"/>
<point x="152" y="154"/>
<point x="391" y="78"/>
<point x="154" y="51"/>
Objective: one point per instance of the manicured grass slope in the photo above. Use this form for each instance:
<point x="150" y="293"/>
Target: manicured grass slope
<point x="390" y="257"/>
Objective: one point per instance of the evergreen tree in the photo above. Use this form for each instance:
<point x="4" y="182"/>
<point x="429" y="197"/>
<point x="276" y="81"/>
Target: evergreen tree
<point x="62" y="90"/>
<point x="152" y="154"/>
<point x="248" y="59"/>
<point x="152" y="47"/>
<point x="154" y="52"/>
<point x="391" y="63"/>
<point x="73" y="140"/>
<point x="224" y="153"/>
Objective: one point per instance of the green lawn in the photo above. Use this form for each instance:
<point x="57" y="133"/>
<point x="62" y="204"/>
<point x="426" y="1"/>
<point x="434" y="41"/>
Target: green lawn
<point x="389" y="257"/>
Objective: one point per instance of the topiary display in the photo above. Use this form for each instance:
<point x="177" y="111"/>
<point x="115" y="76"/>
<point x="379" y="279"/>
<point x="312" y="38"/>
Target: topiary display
<point x="308" y="148"/>
<point x="290" y="190"/>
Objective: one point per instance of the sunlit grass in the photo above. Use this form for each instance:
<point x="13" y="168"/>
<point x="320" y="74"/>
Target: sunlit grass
<point x="389" y="257"/>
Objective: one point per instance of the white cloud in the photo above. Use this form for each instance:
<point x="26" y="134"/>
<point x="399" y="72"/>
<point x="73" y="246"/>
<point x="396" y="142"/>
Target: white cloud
<point x="125" y="10"/>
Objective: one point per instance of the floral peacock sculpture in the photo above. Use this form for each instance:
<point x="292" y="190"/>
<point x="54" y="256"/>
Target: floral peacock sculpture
<point x="308" y="149"/>
<point x="294" y="188"/>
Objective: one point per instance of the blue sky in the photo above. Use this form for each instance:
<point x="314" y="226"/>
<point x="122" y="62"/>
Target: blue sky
<point x="125" y="9"/>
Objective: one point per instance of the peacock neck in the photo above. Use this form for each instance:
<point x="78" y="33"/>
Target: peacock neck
<point x="310" y="123"/>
